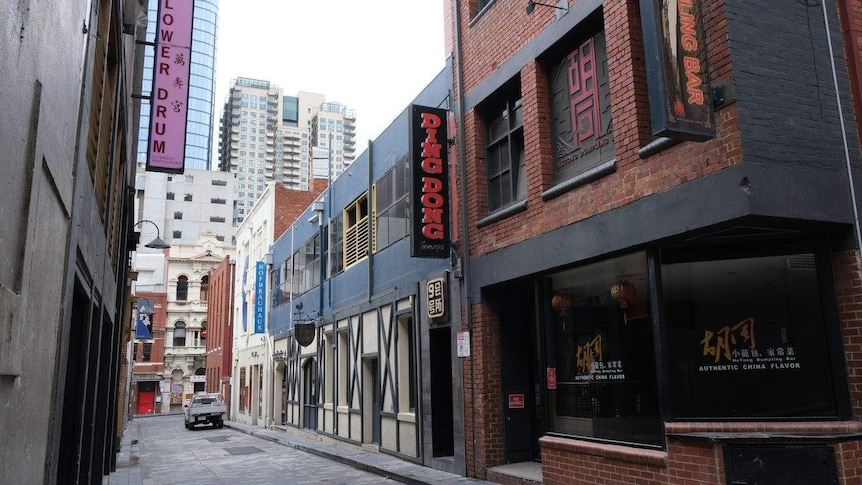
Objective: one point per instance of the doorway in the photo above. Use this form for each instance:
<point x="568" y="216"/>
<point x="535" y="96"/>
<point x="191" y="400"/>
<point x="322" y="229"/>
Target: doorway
<point x="309" y="395"/>
<point x="146" y="398"/>
<point x="442" y="411"/>
<point x="522" y="394"/>
<point x="371" y="402"/>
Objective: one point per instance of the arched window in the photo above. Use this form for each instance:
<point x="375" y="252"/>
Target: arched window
<point x="180" y="334"/>
<point x="205" y="287"/>
<point x="182" y="288"/>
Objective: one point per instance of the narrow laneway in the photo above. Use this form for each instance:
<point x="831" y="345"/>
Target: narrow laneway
<point x="170" y="454"/>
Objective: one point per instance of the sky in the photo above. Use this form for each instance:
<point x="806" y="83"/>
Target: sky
<point x="373" y="56"/>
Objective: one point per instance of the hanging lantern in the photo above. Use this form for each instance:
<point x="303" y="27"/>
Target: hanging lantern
<point x="562" y="303"/>
<point x="624" y="292"/>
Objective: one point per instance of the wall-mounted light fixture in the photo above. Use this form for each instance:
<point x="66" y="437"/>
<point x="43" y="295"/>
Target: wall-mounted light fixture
<point x="532" y="6"/>
<point x="156" y="243"/>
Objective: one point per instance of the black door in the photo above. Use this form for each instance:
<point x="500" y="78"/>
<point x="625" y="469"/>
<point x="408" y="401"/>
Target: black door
<point x="309" y="395"/>
<point x="375" y="403"/>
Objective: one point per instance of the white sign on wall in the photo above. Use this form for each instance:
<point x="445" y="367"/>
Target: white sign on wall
<point x="463" y="344"/>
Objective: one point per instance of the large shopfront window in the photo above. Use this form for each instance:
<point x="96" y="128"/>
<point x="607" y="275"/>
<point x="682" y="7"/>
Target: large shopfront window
<point x="602" y="354"/>
<point x="747" y="333"/>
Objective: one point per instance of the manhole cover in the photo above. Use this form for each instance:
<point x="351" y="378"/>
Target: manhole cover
<point x="217" y="439"/>
<point x="243" y="450"/>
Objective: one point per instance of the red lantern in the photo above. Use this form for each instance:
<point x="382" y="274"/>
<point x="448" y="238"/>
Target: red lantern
<point x="624" y="292"/>
<point x="562" y="303"/>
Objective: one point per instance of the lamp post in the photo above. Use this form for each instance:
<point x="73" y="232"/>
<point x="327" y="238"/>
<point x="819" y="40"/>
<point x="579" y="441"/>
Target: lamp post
<point x="156" y="243"/>
<point x="532" y="6"/>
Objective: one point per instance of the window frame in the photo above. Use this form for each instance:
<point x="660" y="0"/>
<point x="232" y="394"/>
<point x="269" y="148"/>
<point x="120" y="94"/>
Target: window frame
<point x="504" y="145"/>
<point x="393" y="202"/>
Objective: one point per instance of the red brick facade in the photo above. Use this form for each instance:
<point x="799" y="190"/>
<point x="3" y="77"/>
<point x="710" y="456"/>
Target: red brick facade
<point x="489" y="39"/>
<point x="290" y="204"/>
<point x="220" y="329"/>
<point x="153" y="368"/>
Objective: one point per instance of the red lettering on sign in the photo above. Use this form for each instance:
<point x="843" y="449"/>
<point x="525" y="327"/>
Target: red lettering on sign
<point x="516" y="401"/>
<point x="432" y="200"/>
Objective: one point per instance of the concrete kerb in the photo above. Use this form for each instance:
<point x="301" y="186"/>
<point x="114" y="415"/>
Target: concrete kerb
<point x="332" y="456"/>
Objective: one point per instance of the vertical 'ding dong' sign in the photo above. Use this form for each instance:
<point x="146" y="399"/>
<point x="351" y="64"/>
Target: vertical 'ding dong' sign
<point x="429" y="168"/>
<point x="679" y="90"/>
<point x="170" y="95"/>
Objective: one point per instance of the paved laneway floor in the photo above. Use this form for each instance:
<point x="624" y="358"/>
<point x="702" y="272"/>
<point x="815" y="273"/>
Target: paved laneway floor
<point x="171" y="454"/>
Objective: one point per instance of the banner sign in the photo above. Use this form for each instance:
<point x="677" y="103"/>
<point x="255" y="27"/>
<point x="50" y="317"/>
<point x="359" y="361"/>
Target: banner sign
<point x="170" y="94"/>
<point x="260" y="297"/>
<point x="429" y="167"/>
<point x="677" y="74"/>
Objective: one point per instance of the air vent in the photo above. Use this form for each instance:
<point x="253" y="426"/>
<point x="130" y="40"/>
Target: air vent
<point x="801" y="262"/>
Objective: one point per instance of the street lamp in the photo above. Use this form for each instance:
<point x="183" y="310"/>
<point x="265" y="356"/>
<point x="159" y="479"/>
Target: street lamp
<point x="532" y="6"/>
<point x="156" y="243"/>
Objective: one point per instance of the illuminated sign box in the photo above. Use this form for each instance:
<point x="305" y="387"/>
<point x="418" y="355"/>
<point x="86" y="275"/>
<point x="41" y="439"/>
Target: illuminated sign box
<point x="680" y="97"/>
<point x="429" y="168"/>
<point x="170" y="94"/>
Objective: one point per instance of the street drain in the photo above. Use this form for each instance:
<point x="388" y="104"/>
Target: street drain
<point x="217" y="439"/>
<point x="243" y="450"/>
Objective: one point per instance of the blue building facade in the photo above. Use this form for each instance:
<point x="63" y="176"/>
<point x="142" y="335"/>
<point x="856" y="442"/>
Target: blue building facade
<point x="379" y="365"/>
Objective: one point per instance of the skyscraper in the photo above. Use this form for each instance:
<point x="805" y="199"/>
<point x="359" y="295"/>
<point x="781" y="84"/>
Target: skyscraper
<point x="267" y="136"/>
<point x="201" y="86"/>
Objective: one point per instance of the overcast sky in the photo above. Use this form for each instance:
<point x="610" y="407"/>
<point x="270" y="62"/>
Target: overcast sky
<point x="373" y="56"/>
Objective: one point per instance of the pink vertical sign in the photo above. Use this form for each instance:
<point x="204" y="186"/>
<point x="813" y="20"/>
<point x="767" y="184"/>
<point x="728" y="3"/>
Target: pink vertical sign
<point x="170" y="94"/>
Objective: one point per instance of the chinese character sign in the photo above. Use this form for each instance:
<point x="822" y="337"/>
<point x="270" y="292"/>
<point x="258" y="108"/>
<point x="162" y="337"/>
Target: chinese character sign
<point x="581" y="109"/>
<point x="734" y="348"/>
<point x="436" y="298"/>
<point x="260" y="297"/>
<point x="170" y="93"/>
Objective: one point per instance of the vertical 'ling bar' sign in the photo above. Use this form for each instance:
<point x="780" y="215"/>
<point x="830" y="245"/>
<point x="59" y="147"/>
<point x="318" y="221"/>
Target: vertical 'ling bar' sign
<point x="429" y="168"/>
<point x="679" y="93"/>
<point x="260" y="297"/>
<point x="170" y="94"/>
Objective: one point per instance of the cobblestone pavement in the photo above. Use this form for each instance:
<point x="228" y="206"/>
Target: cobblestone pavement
<point x="171" y="454"/>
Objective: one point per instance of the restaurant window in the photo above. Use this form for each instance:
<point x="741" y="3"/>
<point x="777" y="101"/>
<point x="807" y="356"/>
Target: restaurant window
<point x="390" y="206"/>
<point x="744" y="319"/>
<point x="603" y="353"/>
<point x="504" y="117"/>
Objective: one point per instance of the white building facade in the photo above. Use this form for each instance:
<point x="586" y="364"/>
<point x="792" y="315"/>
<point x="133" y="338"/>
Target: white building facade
<point x="188" y="267"/>
<point x="251" y="402"/>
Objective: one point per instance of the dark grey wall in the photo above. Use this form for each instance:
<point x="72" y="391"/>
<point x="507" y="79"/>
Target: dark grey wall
<point x="784" y="82"/>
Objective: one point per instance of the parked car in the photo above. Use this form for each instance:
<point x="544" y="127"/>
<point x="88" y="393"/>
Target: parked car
<point x="205" y="409"/>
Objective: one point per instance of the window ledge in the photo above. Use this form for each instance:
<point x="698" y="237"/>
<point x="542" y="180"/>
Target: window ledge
<point x="327" y="406"/>
<point x="343" y="409"/>
<point x="590" y="175"/>
<point x="757" y="431"/>
<point x="503" y="213"/>
<point x="407" y="417"/>
<point x="657" y="145"/>
<point x="608" y="451"/>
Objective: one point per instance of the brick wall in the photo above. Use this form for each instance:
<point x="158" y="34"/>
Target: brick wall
<point x="290" y="204"/>
<point x="635" y="177"/>
<point x="483" y="418"/>
<point x="847" y="271"/>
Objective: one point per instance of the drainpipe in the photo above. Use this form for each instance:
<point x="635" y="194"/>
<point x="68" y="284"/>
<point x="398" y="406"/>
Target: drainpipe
<point x="465" y="222"/>
<point x="370" y="222"/>
<point x="843" y="129"/>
